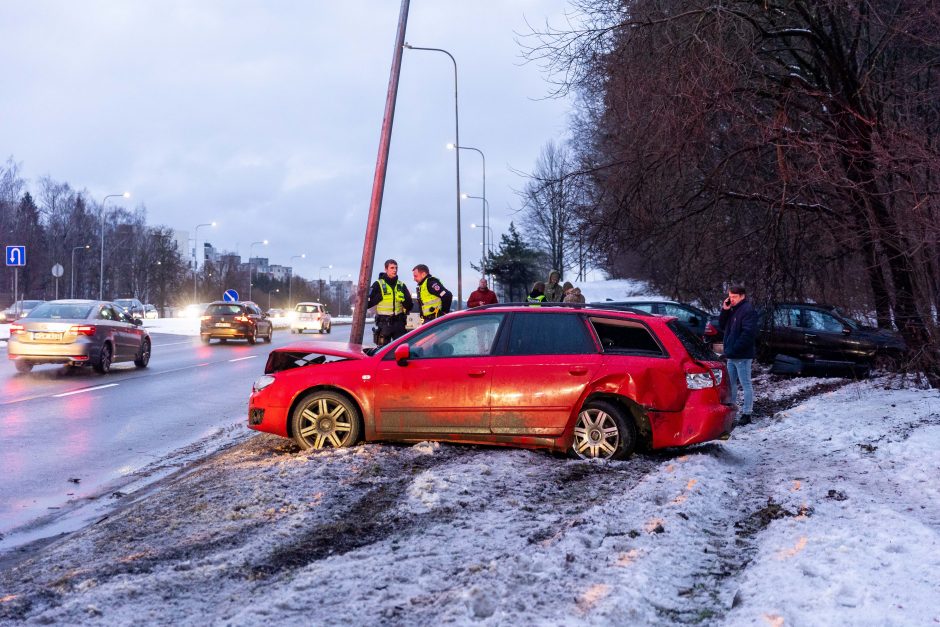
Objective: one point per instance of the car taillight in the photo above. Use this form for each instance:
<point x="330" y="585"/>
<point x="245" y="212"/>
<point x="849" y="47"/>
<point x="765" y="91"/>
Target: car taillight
<point x="204" y="318"/>
<point x="703" y="380"/>
<point x="710" y="329"/>
<point x="16" y="328"/>
<point x="242" y="319"/>
<point x="82" y="329"/>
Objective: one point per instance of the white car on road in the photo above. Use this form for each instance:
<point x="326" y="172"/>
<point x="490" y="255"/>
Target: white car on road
<point x="310" y="316"/>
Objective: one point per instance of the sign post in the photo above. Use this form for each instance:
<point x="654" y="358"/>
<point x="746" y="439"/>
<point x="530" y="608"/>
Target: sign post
<point x="57" y="271"/>
<point x="15" y="258"/>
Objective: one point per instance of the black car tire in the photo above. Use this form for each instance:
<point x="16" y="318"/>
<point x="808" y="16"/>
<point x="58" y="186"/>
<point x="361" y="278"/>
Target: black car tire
<point x="205" y="339"/>
<point x="251" y="338"/>
<point x="603" y="432"/>
<point x="143" y="357"/>
<point x="103" y="363"/>
<point x="270" y="336"/>
<point x="329" y="328"/>
<point x="23" y="366"/>
<point x="325" y="419"/>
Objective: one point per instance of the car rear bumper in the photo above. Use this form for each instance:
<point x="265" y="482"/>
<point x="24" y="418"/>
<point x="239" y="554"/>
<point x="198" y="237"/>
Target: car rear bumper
<point x="307" y="325"/>
<point x="693" y="425"/>
<point x="226" y="332"/>
<point x="76" y="352"/>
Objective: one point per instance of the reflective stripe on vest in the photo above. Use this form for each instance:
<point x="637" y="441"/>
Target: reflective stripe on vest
<point x="392" y="297"/>
<point x="430" y="303"/>
<point x="535" y="300"/>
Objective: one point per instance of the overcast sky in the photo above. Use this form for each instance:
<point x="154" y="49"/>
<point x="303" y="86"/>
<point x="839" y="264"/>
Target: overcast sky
<point x="265" y="116"/>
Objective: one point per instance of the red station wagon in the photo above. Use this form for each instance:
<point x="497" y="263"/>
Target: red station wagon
<point x="580" y="379"/>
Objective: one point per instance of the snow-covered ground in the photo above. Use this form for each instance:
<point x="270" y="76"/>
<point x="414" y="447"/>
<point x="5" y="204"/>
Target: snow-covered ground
<point x="825" y="511"/>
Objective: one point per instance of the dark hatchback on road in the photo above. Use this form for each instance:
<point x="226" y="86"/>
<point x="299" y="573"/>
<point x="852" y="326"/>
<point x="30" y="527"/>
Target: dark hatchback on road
<point x="816" y="336"/>
<point x="235" y="321"/>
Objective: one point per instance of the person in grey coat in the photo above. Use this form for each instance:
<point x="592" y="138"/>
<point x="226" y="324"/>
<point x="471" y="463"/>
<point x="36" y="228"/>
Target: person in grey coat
<point x="554" y="292"/>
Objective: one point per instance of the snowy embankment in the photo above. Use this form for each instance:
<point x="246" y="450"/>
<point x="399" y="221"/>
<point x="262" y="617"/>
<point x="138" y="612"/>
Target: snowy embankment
<point x="825" y="511"/>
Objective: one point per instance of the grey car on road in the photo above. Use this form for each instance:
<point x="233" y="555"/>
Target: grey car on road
<point x="78" y="333"/>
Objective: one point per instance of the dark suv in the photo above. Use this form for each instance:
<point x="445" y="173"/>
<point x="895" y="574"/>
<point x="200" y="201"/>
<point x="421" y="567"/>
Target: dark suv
<point x="227" y="321"/>
<point x="811" y="336"/>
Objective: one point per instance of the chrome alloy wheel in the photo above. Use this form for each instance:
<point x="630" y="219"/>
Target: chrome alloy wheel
<point x="325" y="423"/>
<point x="595" y="435"/>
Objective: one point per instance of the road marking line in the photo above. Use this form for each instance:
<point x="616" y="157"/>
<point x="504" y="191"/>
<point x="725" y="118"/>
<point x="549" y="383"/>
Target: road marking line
<point x="97" y="387"/>
<point x="243" y="358"/>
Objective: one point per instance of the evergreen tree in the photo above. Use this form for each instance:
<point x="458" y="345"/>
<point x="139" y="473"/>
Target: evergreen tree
<point x="514" y="266"/>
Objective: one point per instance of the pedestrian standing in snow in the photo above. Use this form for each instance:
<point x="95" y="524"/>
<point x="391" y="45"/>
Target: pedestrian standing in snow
<point x="483" y="295"/>
<point x="537" y="296"/>
<point x="392" y="301"/>
<point x="738" y="321"/>
<point x="554" y="292"/>
<point x="433" y="299"/>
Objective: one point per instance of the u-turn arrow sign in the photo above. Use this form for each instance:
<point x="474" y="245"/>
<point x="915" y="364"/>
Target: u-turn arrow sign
<point x="16" y="256"/>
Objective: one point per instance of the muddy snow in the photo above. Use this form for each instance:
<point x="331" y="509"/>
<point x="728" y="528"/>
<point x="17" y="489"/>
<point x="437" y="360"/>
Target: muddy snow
<point x="824" y="511"/>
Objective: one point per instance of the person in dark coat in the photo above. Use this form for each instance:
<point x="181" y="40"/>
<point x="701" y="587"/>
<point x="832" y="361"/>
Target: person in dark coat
<point x="537" y="296"/>
<point x="434" y="299"/>
<point x="482" y="296"/>
<point x="738" y="321"/>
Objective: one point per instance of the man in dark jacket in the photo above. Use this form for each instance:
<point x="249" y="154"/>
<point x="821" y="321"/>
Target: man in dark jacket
<point x="392" y="301"/>
<point x="537" y="296"/>
<point x="738" y="321"/>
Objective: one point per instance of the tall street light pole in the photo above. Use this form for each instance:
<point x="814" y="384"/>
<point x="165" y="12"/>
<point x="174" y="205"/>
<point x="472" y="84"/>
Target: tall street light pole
<point x="485" y="204"/>
<point x="250" y="265"/>
<point x="195" y="258"/>
<point x="290" y="281"/>
<point x="101" y="268"/>
<point x="85" y="247"/>
<point x="457" y="155"/>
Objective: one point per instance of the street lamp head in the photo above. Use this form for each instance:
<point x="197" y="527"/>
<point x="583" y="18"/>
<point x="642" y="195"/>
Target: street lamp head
<point x="126" y="194"/>
<point x="465" y="196"/>
<point x="213" y="223"/>
<point x="407" y="45"/>
<point x="303" y="255"/>
<point x="451" y="145"/>
<point x="87" y="245"/>
<point x="473" y="225"/>
<point x="265" y="242"/>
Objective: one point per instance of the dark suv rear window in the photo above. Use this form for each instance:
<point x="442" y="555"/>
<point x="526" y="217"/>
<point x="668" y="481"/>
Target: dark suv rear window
<point x="224" y="310"/>
<point x="626" y="337"/>
<point x="696" y="348"/>
<point x="549" y="334"/>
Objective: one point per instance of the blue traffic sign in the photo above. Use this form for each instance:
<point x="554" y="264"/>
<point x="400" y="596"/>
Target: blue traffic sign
<point x="230" y="296"/>
<point x="16" y="255"/>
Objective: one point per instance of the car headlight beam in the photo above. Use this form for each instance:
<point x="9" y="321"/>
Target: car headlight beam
<point x="262" y="382"/>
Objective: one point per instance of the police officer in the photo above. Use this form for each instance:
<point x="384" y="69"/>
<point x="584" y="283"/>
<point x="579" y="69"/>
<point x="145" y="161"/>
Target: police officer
<point x="392" y="301"/>
<point x="432" y="297"/>
<point x="537" y="296"/>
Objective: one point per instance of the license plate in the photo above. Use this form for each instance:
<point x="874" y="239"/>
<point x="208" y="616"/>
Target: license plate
<point x="222" y="324"/>
<point x="47" y="336"/>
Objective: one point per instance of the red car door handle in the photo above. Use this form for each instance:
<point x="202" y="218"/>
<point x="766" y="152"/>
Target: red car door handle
<point x="477" y="373"/>
<point x="577" y="371"/>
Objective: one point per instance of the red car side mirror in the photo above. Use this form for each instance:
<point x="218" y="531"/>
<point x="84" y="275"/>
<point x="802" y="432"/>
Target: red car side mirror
<point x="402" y="354"/>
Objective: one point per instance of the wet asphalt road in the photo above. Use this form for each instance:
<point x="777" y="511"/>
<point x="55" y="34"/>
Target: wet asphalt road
<point x="71" y="436"/>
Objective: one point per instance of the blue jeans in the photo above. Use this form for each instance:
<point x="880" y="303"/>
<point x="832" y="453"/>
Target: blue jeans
<point x="740" y="370"/>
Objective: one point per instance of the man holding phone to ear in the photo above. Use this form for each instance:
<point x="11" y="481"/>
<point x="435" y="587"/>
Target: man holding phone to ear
<point x="738" y="321"/>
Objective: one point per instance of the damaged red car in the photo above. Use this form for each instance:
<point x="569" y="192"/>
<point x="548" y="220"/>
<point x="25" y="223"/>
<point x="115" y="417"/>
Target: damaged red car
<point x="592" y="382"/>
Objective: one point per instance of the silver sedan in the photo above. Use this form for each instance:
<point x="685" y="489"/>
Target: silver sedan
<point x="78" y="333"/>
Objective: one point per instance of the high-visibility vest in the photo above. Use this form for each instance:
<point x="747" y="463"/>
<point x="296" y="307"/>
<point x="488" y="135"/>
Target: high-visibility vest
<point x="536" y="301"/>
<point x="392" y="297"/>
<point x="430" y="303"/>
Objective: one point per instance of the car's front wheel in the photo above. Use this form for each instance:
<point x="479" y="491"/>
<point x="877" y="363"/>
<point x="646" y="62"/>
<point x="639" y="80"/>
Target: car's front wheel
<point x="251" y="337"/>
<point x="603" y="432"/>
<point x="325" y="420"/>
<point x="143" y="357"/>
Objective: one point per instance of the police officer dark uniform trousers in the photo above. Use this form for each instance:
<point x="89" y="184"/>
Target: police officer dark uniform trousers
<point x="392" y="301"/>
